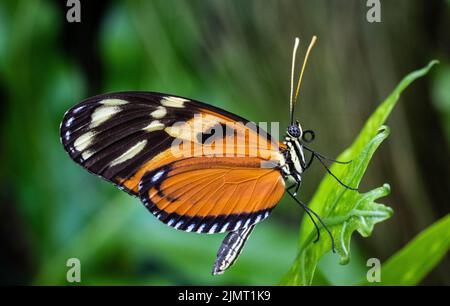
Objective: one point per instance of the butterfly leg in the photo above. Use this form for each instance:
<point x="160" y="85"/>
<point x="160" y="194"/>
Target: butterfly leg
<point x="310" y="212"/>
<point x="297" y="185"/>
<point x="309" y="162"/>
<point x="321" y="158"/>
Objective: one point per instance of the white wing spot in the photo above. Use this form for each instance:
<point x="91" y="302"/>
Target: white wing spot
<point x="173" y="131"/>
<point x="130" y="153"/>
<point x="258" y="218"/>
<point x="86" y="154"/>
<point x="78" y="109"/>
<point x="103" y="113"/>
<point x="113" y="102"/>
<point x="67" y="135"/>
<point x="171" y="221"/>
<point x="159" y="113"/>
<point x="179" y="224"/>
<point x="238" y="224"/>
<point x="157" y="176"/>
<point x="173" y="102"/>
<point x="201" y="228"/>
<point x="70" y="121"/>
<point x="84" y="141"/>
<point x="190" y="228"/>
<point x="225" y="227"/>
<point x="155" y="125"/>
<point x="213" y="229"/>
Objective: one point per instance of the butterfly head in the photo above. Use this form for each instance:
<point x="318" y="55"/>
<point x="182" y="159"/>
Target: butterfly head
<point x="295" y="130"/>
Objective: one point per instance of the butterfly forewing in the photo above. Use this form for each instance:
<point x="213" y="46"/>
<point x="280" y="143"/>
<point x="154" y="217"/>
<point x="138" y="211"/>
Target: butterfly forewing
<point x="112" y="135"/>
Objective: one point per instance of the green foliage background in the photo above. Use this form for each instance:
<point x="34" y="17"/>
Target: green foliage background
<point x="235" y="55"/>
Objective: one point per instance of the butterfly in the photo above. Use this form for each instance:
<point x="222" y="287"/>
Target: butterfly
<point x="178" y="156"/>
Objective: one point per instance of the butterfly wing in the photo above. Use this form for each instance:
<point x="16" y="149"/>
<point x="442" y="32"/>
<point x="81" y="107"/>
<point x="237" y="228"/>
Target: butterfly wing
<point x="127" y="138"/>
<point x="216" y="195"/>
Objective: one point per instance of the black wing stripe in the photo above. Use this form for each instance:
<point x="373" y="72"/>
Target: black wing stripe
<point x="207" y="224"/>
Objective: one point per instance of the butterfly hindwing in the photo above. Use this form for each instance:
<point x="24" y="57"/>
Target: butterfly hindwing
<point x="223" y="194"/>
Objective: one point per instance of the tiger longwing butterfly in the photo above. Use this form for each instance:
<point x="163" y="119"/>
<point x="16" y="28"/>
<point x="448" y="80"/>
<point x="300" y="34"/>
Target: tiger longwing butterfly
<point x="128" y="138"/>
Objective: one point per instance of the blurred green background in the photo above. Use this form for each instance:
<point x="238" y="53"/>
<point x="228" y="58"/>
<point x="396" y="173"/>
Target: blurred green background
<point x="235" y="55"/>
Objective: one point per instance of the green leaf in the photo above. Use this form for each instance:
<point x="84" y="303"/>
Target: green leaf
<point x="403" y="268"/>
<point x="345" y="211"/>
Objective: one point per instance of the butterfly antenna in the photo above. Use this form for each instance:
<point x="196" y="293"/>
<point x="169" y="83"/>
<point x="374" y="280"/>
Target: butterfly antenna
<point x="299" y="82"/>
<point x="291" y="100"/>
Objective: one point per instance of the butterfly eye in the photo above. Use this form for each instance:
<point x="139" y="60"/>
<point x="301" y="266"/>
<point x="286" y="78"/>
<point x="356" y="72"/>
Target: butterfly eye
<point x="308" y="136"/>
<point x="294" y="131"/>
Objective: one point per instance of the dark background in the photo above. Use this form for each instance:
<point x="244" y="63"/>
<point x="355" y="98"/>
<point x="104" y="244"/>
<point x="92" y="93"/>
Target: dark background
<point x="235" y="55"/>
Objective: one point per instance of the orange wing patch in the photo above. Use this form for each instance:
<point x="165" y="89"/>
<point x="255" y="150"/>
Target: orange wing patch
<point x="243" y="143"/>
<point x="210" y="195"/>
